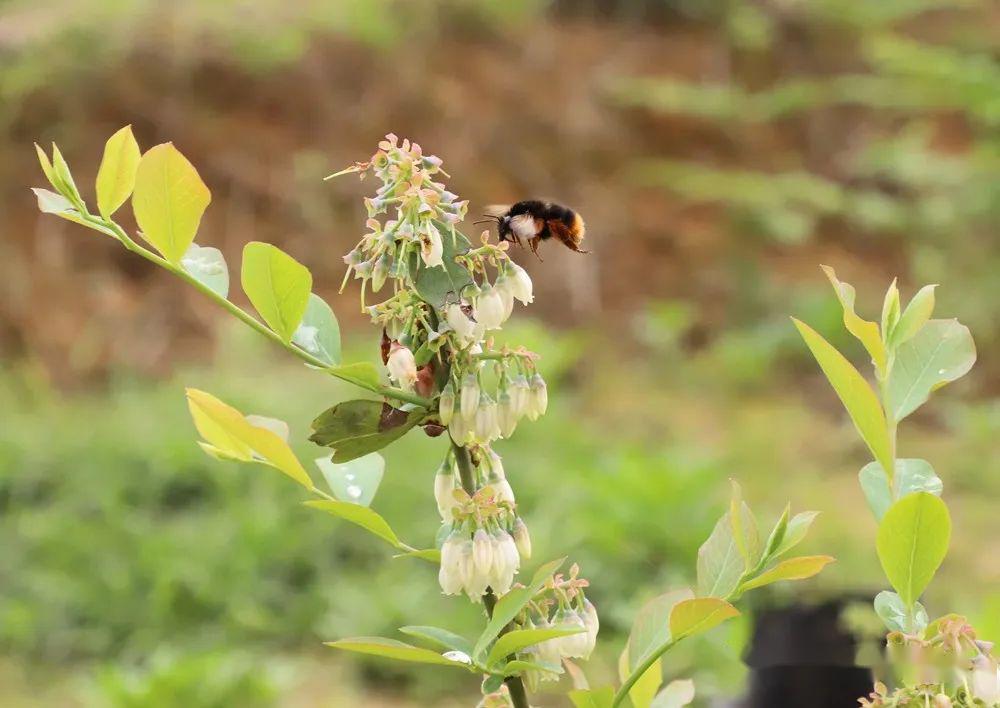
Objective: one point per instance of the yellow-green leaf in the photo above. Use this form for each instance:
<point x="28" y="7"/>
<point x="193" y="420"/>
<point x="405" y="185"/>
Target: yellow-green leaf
<point x="854" y="392"/>
<point x="699" y="615"/>
<point x="116" y="175"/>
<point x="517" y="640"/>
<point x="228" y="431"/>
<point x="64" y="179"/>
<point x="866" y="332"/>
<point x="277" y="285"/>
<point x="362" y="516"/>
<point x="678" y="693"/>
<point x="46" y="164"/>
<point x="392" y="649"/>
<point x="791" y="569"/>
<point x="169" y="200"/>
<point x="912" y="542"/>
<point x="592" y="698"/>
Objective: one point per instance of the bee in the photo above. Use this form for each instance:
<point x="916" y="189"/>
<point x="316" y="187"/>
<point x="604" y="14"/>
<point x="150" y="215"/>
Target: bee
<point x="535" y="221"/>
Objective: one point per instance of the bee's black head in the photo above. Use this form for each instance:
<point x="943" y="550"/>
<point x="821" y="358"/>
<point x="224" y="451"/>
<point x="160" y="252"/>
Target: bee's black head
<point x="504" y="232"/>
<point x="503" y="225"/>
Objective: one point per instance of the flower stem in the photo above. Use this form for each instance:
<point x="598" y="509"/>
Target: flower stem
<point x="515" y="685"/>
<point x="465" y="471"/>
<point x="251" y="321"/>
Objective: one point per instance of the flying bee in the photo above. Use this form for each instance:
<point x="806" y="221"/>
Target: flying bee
<point x="535" y="221"/>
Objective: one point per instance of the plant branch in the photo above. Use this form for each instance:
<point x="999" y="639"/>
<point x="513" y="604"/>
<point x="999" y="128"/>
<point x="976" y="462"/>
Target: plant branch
<point x="251" y="321"/>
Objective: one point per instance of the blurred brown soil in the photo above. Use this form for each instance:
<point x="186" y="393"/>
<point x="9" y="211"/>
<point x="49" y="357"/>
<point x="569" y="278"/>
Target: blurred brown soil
<point x="515" y="113"/>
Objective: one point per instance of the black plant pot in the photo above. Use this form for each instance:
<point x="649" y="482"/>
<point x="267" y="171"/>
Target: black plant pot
<point x="800" y="657"/>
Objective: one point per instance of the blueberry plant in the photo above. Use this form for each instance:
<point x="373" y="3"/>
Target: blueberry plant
<point x="939" y="663"/>
<point x="436" y="297"/>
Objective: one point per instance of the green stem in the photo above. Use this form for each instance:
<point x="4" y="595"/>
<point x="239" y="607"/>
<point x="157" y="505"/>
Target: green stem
<point x="465" y="472"/>
<point x="253" y="322"/>
<point x="637" y="674"/>
<point x="467" y="475"/>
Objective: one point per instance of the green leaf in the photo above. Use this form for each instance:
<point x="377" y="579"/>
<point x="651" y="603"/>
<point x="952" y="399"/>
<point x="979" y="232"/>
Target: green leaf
<point x="866" y="332"/>
<point x="391" y="649"/>
<point x="698" y="615"/>
<point x="230" y="434"/>
<point x="676" y="694"/>
<point x="319" y="332"/>
<point x="797" y="529"/>
<point x="512" y="603"/>
<point x="916" y="315"/>
<point x="363" y="374"/>
<point x="169" y="200"/>
<point x="277" y="285"/>
<point x="593" y="698"/>
<point x="432" y="555"/>
<point x="208" y="266"/>
<point x="912" y="475"/>
<point x="436" y="284"/>
<point x="854" y="392"/>
<point x="360" y="515"/>
<point x="52" y="203"/>
<point x="745" y="531"/>
<point x="939" y="353"/>
<point x="719" y="561"/>
<point x="491" y="684"/>
<point x="116" y="175"/>
<point x="519" y="666"/>
<point x="890" y="311"/>
<point x="355" y="481"/>
<point x="355" y="428"/>
<point x="912" y="541"/>
<point x="64" y="179"/>
<point x="651" y="627"/>
<point x="513" y="642"/>
<point x="792" y="569"/>
<point x="777" y="534"/>
<point x="893" y="612"/>
<point x="644" y="689"/>
<point x="441" y="638"/>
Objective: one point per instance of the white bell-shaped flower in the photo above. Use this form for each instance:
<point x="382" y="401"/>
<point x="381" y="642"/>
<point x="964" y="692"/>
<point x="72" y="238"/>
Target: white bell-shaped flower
<point x="446" y="404"/>
<point x="469" y="398"/>
<point x="506" y="414"/>
<point x="444" y="492"/>
<point x="538" y="398"/>
<point x="486" y="427"/>
<point x="504" y="287"/>
<point x="452" y="574"/>
<point x="522" y="539"/>
<point x="573" y="646"/>
<point x="519" y="283"/>
<point x="431" y="246"/>
<point x="402" y="366"/>
<point x="489" y="308"/>
<point x="464" y="327"/>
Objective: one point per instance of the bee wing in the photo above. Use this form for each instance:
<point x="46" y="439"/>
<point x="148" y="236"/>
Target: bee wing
<point x="496" y="209"/>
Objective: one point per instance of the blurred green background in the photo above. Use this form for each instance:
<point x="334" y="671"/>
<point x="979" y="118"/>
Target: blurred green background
<point x="719" y="150"/>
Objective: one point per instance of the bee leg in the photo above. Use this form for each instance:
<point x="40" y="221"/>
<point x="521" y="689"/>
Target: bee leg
<point x="533" y="242"/>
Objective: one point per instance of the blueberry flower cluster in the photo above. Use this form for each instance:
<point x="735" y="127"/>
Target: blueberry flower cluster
<point x="485" y="540"/>
<point x="425" y="213"/>
<point x="562" y="605"/>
